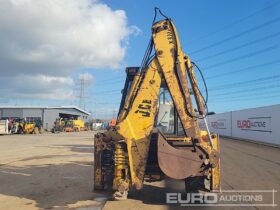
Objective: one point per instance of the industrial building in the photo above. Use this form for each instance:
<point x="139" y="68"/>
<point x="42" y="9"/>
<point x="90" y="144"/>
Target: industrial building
<point x="47" y="114"/>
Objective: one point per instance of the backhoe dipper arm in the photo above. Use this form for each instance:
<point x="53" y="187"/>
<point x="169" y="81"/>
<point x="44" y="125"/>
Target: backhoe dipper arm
<point x="172" y="65"/>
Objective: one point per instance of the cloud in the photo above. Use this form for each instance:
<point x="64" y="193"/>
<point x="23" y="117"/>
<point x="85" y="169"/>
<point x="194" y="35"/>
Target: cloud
<point x="38" y="86"/>
<point x="87" y="78"/>
<point x="46" y="39"/>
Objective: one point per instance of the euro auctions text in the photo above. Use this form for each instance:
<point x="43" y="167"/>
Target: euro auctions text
<point x="224" y="198"/>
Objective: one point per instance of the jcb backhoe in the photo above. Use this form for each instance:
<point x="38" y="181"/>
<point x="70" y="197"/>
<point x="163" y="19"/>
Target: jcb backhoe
<point x="135" y="149"/>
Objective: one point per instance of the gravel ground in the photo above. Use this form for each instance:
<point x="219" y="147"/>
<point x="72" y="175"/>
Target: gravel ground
<point x="55" y="171"/>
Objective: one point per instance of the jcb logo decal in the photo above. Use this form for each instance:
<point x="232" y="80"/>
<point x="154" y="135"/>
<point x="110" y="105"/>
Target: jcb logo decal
<point x="144" y="108"/>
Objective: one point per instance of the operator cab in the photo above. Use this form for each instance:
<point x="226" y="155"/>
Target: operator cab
<point x="167" y="120"/>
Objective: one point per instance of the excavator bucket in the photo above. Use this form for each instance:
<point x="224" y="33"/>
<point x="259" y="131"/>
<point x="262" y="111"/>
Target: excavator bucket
<point x="177" y="163"/>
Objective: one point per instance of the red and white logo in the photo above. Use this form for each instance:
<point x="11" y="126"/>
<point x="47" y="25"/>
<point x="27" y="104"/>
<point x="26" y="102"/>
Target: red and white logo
<point x="219" y="124"/>
<point x="255" y="124"/>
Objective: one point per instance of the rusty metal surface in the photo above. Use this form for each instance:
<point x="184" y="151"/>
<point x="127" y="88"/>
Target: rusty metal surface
<point x="177" y="163"/>
<point x="172" y="66"/>
<point x="98" y="177"/>
<point x="194" y="85"/>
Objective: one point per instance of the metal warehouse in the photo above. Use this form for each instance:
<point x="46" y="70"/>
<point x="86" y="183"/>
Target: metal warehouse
<point x="47" y="114"/>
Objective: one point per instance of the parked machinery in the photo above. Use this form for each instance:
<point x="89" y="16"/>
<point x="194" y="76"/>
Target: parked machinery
<point x="74" y="126"/>
<point x="31" y="126"/>
<point x="69" y="127"/>
<point x="59" y="125"/>
<point x="79" y="125"/>
<point x="112" y="123"/>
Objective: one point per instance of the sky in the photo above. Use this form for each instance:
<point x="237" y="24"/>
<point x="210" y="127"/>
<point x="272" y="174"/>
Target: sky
<point x="47" y="46"/>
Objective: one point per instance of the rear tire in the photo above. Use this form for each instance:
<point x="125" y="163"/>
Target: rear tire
<point x="120" y="196"/>
<point x="20" y="130"/>
<point x="36" y="130"/>
<point x="197" y="184"/>
<point x="41" y="130"/>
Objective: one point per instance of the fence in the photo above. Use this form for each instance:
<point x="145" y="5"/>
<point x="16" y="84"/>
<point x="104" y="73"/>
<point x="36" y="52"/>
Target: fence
<point x="258" y="124"/>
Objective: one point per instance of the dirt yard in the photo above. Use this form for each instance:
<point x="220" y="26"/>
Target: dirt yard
<point x="49" y="171"/>
<point x="55" y="171"/>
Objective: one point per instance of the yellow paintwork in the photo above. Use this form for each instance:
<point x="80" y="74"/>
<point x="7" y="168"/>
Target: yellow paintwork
<point x="78" y="125"/>
<point x="166" y="42"/>
<point x="28" y="128"/>
<point x="137" y="126"/>
<point x="74" y="125"/>
<point x="215" y="172"/>
<point x="121" y="164"/>
<point x="136" y="120"/>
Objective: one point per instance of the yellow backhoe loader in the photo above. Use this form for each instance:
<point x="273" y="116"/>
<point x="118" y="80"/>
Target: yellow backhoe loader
<point x="29" y="126"/>
<point x="135" y="150"/>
